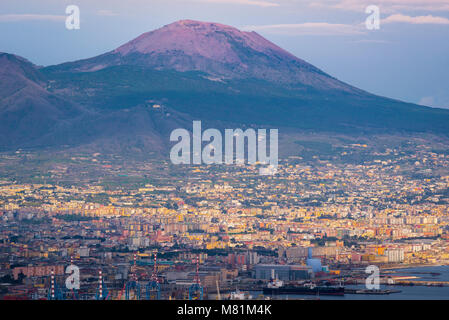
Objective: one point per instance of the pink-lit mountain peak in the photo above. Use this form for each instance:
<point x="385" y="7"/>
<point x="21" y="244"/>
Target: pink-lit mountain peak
<point x="206" y="39"/>
<point x="221" y="51"/>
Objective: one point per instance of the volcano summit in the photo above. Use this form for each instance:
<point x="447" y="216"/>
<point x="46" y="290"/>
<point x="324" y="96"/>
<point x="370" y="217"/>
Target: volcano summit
<point x="191" y="70"/>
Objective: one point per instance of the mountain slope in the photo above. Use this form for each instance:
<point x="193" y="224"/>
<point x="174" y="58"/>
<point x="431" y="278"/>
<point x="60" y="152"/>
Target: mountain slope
<point x="247" y="101"/>
<point x="28" y="112"/>
<point x="132" y="97"/>
<point x="32" y="116"/>
<point x="222" y="51"/>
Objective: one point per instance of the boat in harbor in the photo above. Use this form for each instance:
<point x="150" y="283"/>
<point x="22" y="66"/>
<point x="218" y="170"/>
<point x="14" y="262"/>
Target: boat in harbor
<point x="277" y="287"/>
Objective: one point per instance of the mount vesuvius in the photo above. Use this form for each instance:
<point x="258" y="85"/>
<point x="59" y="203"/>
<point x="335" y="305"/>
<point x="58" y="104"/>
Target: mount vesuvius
<point x="184" y="71"/>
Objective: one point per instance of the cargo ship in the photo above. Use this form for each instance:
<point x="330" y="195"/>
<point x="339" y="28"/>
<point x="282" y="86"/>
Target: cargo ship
<point x="277" y="287"/>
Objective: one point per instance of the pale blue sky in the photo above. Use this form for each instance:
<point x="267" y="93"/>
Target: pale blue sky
<point x="407" y="59"/>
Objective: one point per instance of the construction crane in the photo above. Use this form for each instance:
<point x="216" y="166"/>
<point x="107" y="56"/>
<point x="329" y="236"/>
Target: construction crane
<point x="121" y="292"/>
<point x="218" y="290"/>
<point x="196" y="290"/>
<point x="102" y="291"/>
<point x="55" y="293"/>
<point x="133" y="285"/>
<point x="153" y="288"/>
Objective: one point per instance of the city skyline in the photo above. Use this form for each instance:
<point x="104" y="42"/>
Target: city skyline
<point x="252" y="150"/>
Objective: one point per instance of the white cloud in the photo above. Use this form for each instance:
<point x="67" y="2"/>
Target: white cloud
<point x="106" y="13"/>
<point x="310" y="28"/>
<point x="372" y="41"/>
<point x="427" y="101"/>
<point x="429" y="19"/>
<point x="259" y="3"/>
<point x="388" y="6"/>
<point x="30" y="17"/>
